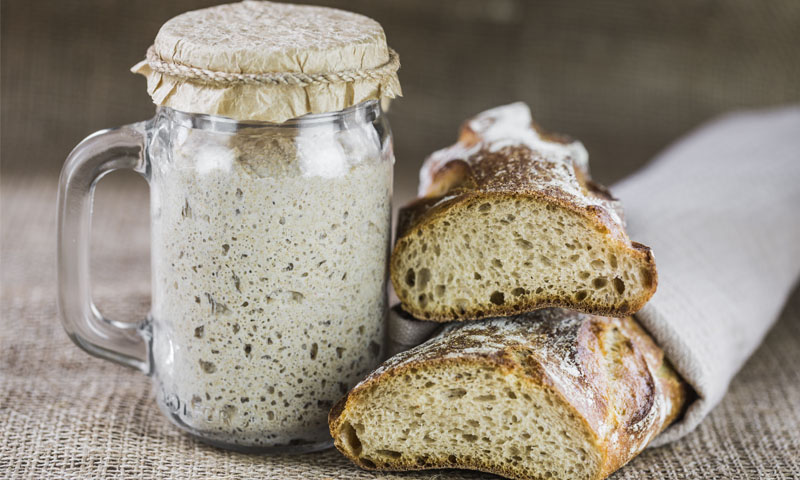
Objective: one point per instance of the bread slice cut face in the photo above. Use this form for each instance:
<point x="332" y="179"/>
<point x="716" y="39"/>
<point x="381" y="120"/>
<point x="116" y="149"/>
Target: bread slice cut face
<point x="508" y="221"/>
<point x="552" y="394"/>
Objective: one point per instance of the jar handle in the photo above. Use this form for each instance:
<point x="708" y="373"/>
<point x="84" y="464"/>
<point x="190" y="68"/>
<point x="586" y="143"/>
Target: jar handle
<point x="98" y="154"/>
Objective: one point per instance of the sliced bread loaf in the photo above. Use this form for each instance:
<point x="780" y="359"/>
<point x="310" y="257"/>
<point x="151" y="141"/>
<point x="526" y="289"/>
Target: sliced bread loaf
<point x="552" y="394"/>
<point x="508" y="221"/>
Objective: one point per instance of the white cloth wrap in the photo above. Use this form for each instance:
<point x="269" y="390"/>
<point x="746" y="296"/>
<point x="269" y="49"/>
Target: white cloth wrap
<point x="721" y="211"/>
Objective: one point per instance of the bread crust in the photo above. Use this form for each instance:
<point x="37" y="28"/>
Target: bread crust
<point x="607" y="372"/>
<point x="478" y="169"/>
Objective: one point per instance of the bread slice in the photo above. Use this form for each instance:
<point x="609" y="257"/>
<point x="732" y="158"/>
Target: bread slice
<point x="551" y="394"/>
<point x="508" y="221"/>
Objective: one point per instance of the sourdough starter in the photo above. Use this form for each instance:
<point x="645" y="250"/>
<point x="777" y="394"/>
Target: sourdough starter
<point x="269" y="268"/>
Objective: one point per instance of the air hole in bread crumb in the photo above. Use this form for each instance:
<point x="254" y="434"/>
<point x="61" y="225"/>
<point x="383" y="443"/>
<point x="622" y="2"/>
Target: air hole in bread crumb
<point x="390" y="453"/>
<point x="477" y="276"/>
<point x="485" y="207"/>
<point x="599" y="282"/>
<point x="350" y="439"/>
<point x="497" y="263"/>
<point x="469" y="437"/>
<point x="423" y="300"/>
<point x="619" y="285"/>
<point x="539" y="290"/>
<point x="497" y="298"/>
<point x="452" y="459"/>
<point x="424" y="277"/>
<point x="461" y="305"/>
<point x="584" y="275"/>
<point x="612" y="259"/>
<point x="368" y="463"/>
<point x="410" y="277"/>
<point x="522" y="243"/>
<point x="440" y="290"/>
<point x="485" y="398"/>
<point x="518" y="291"/>
<point x="507" y="219"/>
<point x="456" y="393"/>
<point x="598" y="263"/>
<point x="581" y="296"/>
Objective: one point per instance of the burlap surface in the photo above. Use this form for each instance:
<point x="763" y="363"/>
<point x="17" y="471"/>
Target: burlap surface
<point x="64" y="414"/>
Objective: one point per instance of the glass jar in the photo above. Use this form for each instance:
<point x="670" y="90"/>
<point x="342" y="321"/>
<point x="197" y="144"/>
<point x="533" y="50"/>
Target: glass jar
<point x="269" y="248"/>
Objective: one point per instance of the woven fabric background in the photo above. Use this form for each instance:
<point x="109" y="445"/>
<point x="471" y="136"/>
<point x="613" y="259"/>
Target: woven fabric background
<point x="64" y="414"/>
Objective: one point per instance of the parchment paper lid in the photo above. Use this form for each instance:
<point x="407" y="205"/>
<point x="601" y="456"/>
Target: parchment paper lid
<point x="259" y="60"/>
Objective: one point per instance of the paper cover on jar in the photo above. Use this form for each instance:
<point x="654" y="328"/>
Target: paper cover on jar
<point x="267" y="61"/>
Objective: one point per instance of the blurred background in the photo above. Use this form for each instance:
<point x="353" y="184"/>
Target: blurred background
<point x="626" y="77"/>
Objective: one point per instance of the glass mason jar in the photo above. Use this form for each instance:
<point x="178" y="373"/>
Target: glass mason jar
<point x="269" y="248"/>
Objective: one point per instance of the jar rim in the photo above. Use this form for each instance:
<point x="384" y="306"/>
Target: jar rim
<point x="364" y="111"/>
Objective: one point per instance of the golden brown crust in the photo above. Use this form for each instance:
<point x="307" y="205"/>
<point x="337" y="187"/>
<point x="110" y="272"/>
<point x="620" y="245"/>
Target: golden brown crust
<point x="606" y="371"/>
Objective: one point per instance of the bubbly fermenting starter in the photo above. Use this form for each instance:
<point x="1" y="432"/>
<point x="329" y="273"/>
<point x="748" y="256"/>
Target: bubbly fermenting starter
<point x="269" y="268"/>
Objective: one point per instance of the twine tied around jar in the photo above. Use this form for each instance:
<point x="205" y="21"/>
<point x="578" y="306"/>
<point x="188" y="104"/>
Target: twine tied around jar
<point x="298" y="79"/>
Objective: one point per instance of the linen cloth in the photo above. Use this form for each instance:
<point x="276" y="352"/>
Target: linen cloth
<point x="721" y="211"/>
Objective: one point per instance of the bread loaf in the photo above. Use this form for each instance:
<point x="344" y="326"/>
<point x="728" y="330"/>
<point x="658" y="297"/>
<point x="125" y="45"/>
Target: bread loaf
<point x="509" y="221"/>
<point x="552" y="394"/>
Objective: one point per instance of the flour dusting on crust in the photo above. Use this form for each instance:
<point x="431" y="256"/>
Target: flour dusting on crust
<point x="506" y="152"/>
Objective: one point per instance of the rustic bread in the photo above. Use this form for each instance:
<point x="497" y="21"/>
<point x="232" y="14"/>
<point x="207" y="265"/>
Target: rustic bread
<point x="508" y="221"/>
<point x="549" y="394"/>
